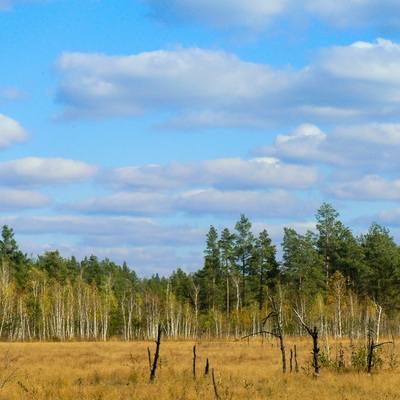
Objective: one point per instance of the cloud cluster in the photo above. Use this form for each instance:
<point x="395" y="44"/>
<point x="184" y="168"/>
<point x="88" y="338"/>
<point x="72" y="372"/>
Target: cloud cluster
<point x="208" y="87"/>
<point x="99" y="86"/>
<point x="362" y="159"/>
<point x="351" y="146"/>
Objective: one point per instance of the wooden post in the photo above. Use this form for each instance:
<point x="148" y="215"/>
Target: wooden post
<point x="207" y="368"/>
<point x="296" y="364"/>
<point x="157" y="354"/>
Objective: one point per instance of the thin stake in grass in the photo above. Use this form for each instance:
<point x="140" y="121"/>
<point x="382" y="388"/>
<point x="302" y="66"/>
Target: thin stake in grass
<point x="194" y="362"/>
<point x="149" y="355"/>
<point x="215" y="385"/>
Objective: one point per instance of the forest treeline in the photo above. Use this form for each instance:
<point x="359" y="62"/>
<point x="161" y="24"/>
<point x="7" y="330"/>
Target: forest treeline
<point x="345" y="285"/>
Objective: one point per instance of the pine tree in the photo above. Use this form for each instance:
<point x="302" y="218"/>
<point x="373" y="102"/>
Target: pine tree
<point x="243" y="248"/>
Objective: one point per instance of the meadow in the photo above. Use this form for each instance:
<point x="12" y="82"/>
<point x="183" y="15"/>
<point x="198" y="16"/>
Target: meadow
<point x="247" y="369"/>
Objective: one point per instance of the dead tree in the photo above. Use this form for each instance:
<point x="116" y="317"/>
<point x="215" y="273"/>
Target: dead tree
<point x="279" y="329"/>
<point x="157" y="354"/>
<point x="314" y="334"/>
<point x="278" y="332"/>
<point x="371" y="347"/>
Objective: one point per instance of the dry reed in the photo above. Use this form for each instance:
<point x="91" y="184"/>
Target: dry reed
<point x="247" y="369"/>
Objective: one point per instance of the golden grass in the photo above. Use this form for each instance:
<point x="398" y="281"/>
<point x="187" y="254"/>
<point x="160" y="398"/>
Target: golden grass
<point x="243" y="370"/>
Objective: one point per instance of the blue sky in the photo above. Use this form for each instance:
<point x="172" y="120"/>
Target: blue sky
<point x="128" y="128"/>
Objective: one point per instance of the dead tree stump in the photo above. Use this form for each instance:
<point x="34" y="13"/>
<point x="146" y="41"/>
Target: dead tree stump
<point x="157" y="354"/>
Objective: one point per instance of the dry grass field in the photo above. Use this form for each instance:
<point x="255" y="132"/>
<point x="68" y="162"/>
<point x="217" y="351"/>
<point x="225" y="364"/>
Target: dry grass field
<point x="249" y="369"/>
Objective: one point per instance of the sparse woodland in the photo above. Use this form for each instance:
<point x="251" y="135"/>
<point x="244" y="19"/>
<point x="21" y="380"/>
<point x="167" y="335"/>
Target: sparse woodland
<point x="346" y="286"/>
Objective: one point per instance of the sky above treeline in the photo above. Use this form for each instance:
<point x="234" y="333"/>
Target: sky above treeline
<point x="128" y="127"/>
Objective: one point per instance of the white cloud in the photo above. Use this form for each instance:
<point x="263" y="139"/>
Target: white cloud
<point x="254" y="14"/>
<point x="209" y="201"/>
<point x="365" y="61"/>
<point x="99" y="86"/>
<point x="388" y="217"/>
<point x="34" y="171"/>
<point x="356" y="13"/>
<point x="13" y="200"/>
<point x="367" y="149"/>
<point x="216" y="202"/>
<point x="11" y="132"/>
<point x="304" y="144"/>
<point x="199" y="88"/>
<point x="258" y="15"/>
<point x="370" y="187"/>
<point x="263" y="172"/>
<point x="152" y="204"/>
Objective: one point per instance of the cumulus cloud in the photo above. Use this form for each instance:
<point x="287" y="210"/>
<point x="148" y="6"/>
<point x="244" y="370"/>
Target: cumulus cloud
<point x="11" y="132"/>
<point x="352" y="146"/>
<point x="17" y="200"/>
<point x="304" y="144"/>
<point x="226" y="173"/>
<point x="99" y="86"/>
<point x="370" y="187"/>
<point x="201" y="88"/>
<point x="34" y="171"/>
